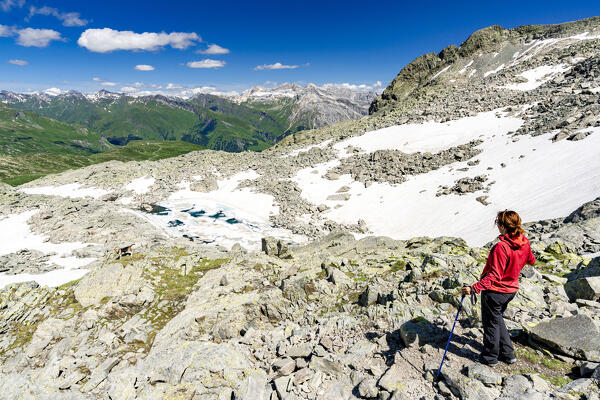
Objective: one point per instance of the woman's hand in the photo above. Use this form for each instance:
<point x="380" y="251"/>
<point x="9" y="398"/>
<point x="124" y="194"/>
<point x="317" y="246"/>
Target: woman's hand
<point x="465" y="290"/>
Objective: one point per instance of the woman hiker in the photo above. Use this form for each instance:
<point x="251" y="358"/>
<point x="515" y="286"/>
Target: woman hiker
<point x="498" y="285"/>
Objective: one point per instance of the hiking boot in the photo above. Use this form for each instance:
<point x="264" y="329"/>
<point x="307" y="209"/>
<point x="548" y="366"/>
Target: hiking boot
<point x="488" y="363"/>
<point x="510" y="360"/>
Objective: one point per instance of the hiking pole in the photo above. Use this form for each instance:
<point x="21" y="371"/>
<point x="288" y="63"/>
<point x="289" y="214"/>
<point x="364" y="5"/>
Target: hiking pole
<point x="450" y="338"/>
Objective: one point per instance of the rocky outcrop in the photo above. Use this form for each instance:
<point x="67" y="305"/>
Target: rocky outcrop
<point x="577" y="336"/>
<point x="393" y="166"/>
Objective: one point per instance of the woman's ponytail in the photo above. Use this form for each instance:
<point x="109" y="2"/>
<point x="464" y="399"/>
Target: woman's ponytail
<point x="511" y="221"/>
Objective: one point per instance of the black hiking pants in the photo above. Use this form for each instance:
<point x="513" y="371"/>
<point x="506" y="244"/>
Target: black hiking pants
<point x="496" y="340"/>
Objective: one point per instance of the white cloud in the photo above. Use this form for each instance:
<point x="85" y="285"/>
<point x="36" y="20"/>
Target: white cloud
<point x="144" y="67"/>
<point x="128" y="89"/>
<point x="214" y="49"/>
<point x="31" y="37"/>
<point x="356" y="87"/>
<point x="108" y="83"/>
<point x="53" y="91"/>
<point x="7" y="5"/>
<point x="277" y="65"/>
<point x="18" y="62"/>
<point x="6" y="31"/>
<point x="207" y="63"/>
<point x="106" y="40"/>
<point x="96" y="79"/>
<point x="68" y="19"/>
<point x="173" y="89"/>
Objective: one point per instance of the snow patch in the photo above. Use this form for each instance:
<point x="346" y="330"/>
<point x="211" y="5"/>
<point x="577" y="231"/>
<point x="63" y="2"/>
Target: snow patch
<point x="538" y="76"/>
<point x="493" y="71"/>
<point x="462" y="71"/>
<point x="432" y="136"/>
<point x="440" y="72"/>
<point x="15" y="235"/>
<point x="140" y="185"/>
<point x="69" y="190"/>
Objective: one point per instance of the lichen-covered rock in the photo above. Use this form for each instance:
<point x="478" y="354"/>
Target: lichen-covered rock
<point x="585" y="288"/>
<point x="112" y="280"/>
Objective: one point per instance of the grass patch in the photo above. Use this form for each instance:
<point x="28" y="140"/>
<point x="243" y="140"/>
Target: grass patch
<point x="399" y="265"/>
<point x="556" y="380"/>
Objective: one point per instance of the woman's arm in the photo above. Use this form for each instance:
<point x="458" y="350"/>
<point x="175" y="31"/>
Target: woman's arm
<point x="495" y="265"/>
<point x="531" y="258"/>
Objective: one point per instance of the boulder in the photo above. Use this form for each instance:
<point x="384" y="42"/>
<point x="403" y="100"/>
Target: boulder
<point x="484" y="374"/>
<point x="585" y="288"/>
<point x="284" y="366"/>
<point x="419" y="331"/>
<point x="338" y="278"/>
<point x="253" y="387"/>
<point x="576" y="336"/>
<point x="587" y="369"/>
<point x="275" y="247"/>
<point x="111" y="280"/>
<point x="324" y="365"/>
<point x="299" y="350"/>
<point x="369" y="296"/>
<point x="368" y="388"/>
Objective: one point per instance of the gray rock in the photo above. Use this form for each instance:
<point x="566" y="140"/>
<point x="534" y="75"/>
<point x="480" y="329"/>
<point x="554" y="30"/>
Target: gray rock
<point x="580" y="385"/>
<point x="515" y="386"/>
<point x="393" y="378"/>
<point x="419" y="331"/>
<point x="299" y="350"/>
<point x="281" y="386"/>
<point x="368" y="296"/>
<point x="484" y="374"/>
<point x="275" y="247"/>
<point x="253" y="387"/>
<point x="284" y="366"/>
<point x="368" y="388"/>
<point x="339" y="278"/>
<point x="585" y="288"/>
<point x="576" y="336"/>
<point x="324" y="365"/>
<point x="587" y="369"/>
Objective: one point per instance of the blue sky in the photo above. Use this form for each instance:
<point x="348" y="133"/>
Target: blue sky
<point x="92" y="45"/>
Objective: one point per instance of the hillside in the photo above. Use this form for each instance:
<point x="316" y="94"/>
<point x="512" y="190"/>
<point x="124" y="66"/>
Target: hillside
<point x="329" y="265"/>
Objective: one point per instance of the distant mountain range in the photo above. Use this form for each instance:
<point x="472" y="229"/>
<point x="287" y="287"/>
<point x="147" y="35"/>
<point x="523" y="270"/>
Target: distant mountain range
<point x="254" y="120"/>
<point x="43" y="133"/>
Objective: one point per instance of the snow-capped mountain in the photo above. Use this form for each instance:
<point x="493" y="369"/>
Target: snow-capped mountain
<point x="311" y="106"/>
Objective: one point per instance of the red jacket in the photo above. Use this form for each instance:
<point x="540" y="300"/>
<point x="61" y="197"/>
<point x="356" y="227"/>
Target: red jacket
<point x="504" y="264"/>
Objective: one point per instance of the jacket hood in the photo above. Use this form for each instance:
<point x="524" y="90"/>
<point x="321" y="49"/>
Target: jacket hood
<point x="516" y="242"/>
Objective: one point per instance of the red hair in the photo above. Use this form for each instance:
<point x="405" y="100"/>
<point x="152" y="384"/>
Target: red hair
<point x="510" y="221"/>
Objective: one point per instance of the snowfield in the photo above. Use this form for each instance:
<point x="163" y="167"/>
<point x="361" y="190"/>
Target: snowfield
<point x="551" y="180"/>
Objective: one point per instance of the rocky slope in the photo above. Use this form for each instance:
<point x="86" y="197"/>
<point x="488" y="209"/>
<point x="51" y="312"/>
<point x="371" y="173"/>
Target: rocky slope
<point x="368" y="230"/>
<point x="338" y="318"/>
